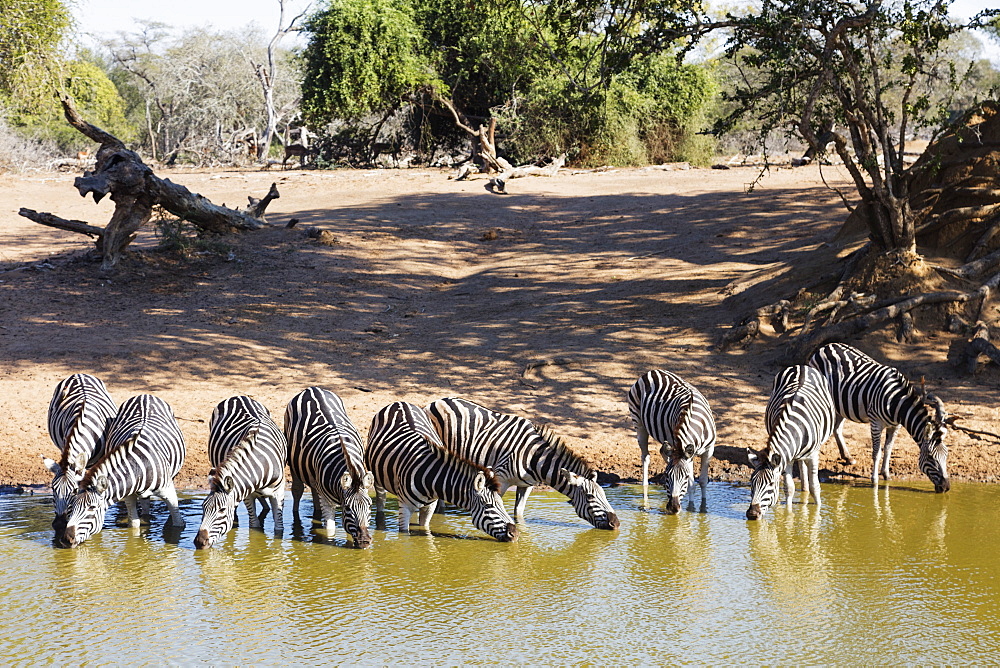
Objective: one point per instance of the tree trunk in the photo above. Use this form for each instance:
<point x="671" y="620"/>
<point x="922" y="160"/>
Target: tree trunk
<point x="135" y="190"/>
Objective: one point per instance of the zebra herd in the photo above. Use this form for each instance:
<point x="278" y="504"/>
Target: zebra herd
<point x="457" y="451"/>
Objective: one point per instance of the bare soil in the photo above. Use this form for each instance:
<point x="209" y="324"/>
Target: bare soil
<point x="404" y="285"/>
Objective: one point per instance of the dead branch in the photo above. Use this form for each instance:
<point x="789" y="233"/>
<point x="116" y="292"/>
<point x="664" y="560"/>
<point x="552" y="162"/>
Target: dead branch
<point x="747" y="330"/>
<point x="62" y="223"/>
<point x="978" y="345"/>
<point x="974" y="269"/>
<point x="555" y="361"/>
<point x="952" y="422"/>
<point x="121" y="174"/>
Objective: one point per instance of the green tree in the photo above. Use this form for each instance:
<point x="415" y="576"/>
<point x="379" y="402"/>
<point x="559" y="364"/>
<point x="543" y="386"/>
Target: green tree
<point x="31" y="32"/>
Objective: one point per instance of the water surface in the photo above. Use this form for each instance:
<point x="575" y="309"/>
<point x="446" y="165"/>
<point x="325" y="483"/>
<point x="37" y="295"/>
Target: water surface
<point x="901" y="576"/>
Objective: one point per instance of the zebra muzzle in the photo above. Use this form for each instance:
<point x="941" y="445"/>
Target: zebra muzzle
<point x="754" y="512"/>
<point x="674" y="505"/>
<point x="202" y="540"/>
<point x="512" y="533"/>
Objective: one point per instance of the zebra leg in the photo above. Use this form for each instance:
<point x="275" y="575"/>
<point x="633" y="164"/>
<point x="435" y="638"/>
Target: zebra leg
<point x="876" y="450"/>
<point x="424" y="515"/>
<point x="169" y="496"/>
<point x="277" y="499"/>
<point x="520" y="500"/>
<point x="643" y="437"/>
<point x="703" y="478"/>
<point x="379" y="507"/>
<point x="133" y="512"/>
<point x="810" y="473"/>
<point x="251" y="505"/>
<point x="405" y="512"/>
<point x="298" y="487"/>
<point x="327" y="513"/>
<point x="838" y="433"/>
<point x="890" y="436"/>
<point x="789" y="486"/>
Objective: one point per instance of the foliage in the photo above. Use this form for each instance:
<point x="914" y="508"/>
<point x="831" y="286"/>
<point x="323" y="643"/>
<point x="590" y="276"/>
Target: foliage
<point x="198" y="95"/>
<point x="869" y="73"/>
<point x="96" y="97"/>
<point x="363" y="56"/>
<point x="30" y="34"/>
<point x="490" y="59"/>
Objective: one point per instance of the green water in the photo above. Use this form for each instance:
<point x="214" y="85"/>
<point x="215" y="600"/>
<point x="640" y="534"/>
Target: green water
<point x="904" y="576"/>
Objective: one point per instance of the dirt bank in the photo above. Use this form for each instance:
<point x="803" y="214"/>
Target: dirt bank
<point x="425" y="288"/>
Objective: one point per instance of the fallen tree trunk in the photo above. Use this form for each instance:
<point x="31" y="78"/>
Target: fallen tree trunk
<point x="135" y="190"/>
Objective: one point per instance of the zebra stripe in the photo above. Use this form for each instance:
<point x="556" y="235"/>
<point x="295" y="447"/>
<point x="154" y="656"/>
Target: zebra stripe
<point x="79" y="414"/>
<point x="521" y="455"/>
<point x="247" y="451"/>
<point x="867" y="391"/>
<point x="664" y="406"/>
<point x="799" y="418"/>
<point x="325" y="451"/>
<point x="145" y="450"/>
<point x="408" y="459"/>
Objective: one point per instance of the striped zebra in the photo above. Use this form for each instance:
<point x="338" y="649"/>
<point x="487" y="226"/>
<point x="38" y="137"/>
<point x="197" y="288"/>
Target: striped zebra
<point x="865" y="391"/>
<point x="247" y="451"/>
<point x="408" y="459"/>
<point x="79" y="414"/>
<point x="145" y="450"/>
<point x="799" y="417"/>
<point x="325" y="451"/>
<point x="521" y="455"/>
<point x="677" y="415"/>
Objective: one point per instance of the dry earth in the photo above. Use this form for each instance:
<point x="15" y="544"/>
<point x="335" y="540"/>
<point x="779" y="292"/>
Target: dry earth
<point x="422" y="287"/>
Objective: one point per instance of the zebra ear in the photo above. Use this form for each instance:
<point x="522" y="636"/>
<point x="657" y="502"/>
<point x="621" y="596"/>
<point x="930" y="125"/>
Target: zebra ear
<point x="753" y="458"/>
<point x="345" y="480"/>
<point x="479" y="484"/>
<point x="227" y="483"/>
<point x="369" y="480"/>
<point x="101" y="484"/>
<point x="689" y="451"/>
<point x="775" y="459"/>
<point x="593" y="476"/>
<point x="52" y="465"/>
<point x="570" y="477"/>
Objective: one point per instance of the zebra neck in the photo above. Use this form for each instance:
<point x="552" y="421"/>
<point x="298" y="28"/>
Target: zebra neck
<point x="546" y="463"/>
<point x="912" y="413"/>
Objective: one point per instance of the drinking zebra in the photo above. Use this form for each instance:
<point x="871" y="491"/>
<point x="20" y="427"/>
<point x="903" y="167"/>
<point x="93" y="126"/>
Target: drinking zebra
<point x="677" y="415"/>
<point x="408" y="459"/>
<point x="325" y="451"/>
<point x="145" y="450"/>
<point x="521" y="455"/>
<point x="79" y="414"/>
<point x="247" y="451"/>
<point x="866" y="391"/>
<point x="799" y="418"/>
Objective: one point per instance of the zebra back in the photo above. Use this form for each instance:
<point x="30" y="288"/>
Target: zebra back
<point x="326" y="452"/>
<point x="674" y="412"/>
<point x="521" y="454"/>
<point x="245" y="445"/>
<point x="799" y="414"/>
<point x="408" y="459"/>
<point x="79" y="414"/>
<point x="145" y="449"/>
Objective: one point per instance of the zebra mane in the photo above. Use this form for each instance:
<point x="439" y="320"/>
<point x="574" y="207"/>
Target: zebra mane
<point x="352" y="466"/>
<point x="108" y="454"/>
<point x="64" y="459"/>
<point x="562" y="450"/>
<point x="492" y="482"/>
<point x="681" y="416"/>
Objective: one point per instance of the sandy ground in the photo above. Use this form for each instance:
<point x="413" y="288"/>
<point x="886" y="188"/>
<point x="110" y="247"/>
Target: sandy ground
<point x="423" y="288"/>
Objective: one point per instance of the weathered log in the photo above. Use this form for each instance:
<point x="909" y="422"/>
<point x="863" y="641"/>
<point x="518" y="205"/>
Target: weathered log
<point x="135" y="190"/>
<point x="747" y="330"/>
<point x="978" y="345"/>
<point x="62" y="223"/>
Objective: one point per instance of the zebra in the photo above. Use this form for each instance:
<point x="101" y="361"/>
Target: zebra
<point x="521" y="455"/>
<point x="799" y="417"/>
<point x="145" y="450"/>
<point x="677" y="415"/>
<point x="79" y="414"/>
<point x="408" y="459"/>
<point x="247" y="451"/>
<point x="866" y="391"/>
<point x="326" y="452"/>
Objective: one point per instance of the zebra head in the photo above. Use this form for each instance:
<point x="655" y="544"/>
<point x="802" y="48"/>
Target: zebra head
<point x="218" y="511"/>
<point x="357" y="506"/>
<point x="65" y="484"/>
<point x="764" y="481"/>
<point x="85" y="512"/>
<point x="589" y="501"/>
<point x="487" y="510"/>
<point x="679" y="475"/>
<point x="933" y="451"/>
